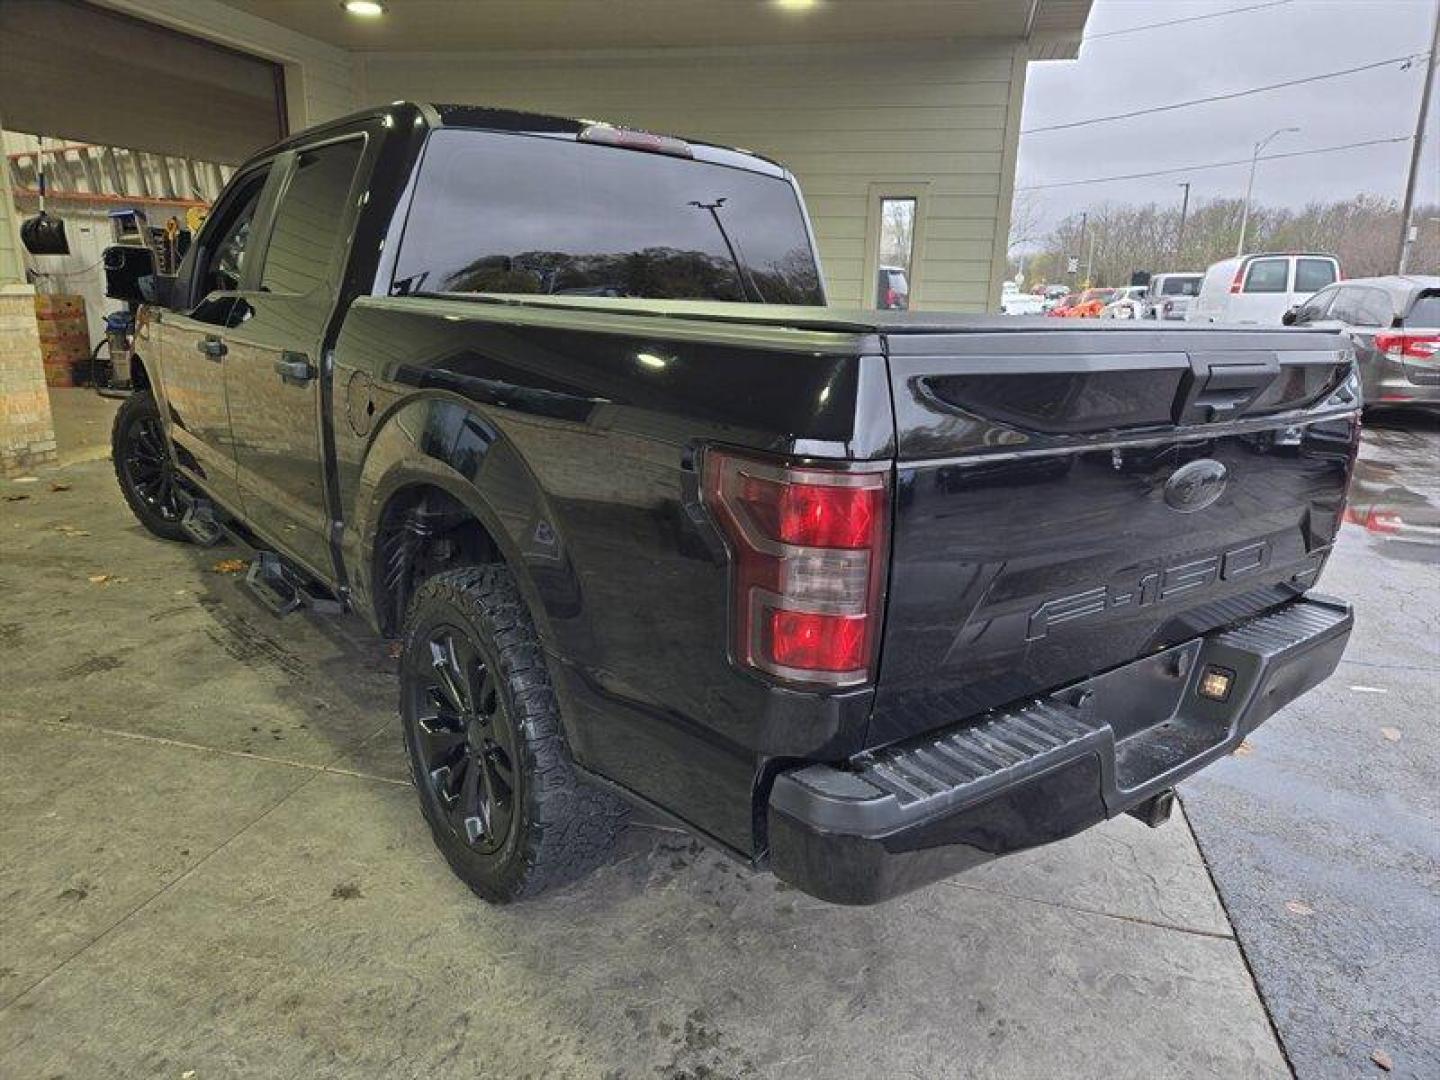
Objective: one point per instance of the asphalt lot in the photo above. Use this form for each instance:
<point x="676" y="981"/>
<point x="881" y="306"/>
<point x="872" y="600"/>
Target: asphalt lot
<point x="1323" y="839"/>
<point x="211" y="866"/>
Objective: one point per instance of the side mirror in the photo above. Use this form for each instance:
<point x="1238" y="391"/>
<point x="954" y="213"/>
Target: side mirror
<point x="156" y="290"/>
<point x="1289" y="317"/>
<point x="125" y="267"/>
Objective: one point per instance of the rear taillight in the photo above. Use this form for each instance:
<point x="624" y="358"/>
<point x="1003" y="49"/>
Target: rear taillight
<point x="892" y="298"/>
<point x="1237" y="281"/>
<point x="807" y="550"/>
<point x="1409" y="345"/>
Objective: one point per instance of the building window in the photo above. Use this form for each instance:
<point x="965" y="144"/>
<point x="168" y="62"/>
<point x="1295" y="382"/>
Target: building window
<point x="893" y="246"/>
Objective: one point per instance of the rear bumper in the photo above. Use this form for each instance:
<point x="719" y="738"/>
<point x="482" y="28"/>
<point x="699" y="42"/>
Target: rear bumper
<point x="1044" y="769"/>
<point x="1389" y="382"/>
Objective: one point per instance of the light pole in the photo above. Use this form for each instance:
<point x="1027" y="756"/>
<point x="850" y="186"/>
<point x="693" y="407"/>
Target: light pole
<point x="1180" y="232"/>
<point x="1250" y="187"/>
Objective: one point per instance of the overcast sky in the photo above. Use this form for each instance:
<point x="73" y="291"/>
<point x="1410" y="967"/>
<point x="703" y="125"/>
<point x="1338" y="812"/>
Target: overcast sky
<point x="1293" y="39"/>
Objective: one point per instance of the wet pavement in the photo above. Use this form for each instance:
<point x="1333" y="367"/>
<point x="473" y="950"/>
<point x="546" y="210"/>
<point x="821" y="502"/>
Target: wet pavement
<point x="1324" y="839"/>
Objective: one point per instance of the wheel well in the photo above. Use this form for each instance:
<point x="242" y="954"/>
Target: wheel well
<point x="423" y="530"/>
<point x="139" y="377"/>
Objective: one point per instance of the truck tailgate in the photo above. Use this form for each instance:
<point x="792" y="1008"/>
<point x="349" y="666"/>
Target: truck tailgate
<point x="1069" y="500"/>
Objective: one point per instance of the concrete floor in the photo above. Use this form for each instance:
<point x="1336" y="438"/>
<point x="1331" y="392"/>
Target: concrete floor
<point x="210" y="861"/>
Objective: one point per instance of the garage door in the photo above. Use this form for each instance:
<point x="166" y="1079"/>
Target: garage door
<point x="74" y="71"/>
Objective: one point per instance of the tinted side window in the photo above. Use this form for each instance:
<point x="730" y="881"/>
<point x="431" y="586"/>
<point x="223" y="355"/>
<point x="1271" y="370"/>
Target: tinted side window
<point x="224" y="256"/>
<point x="309" y="219"/>
<point x="1314" y="309"/>
<point x="1346" y="307"/>
<point x="1268" y="276"/>
<point x="1312" y="274"/>
<point x="1375" y="308"/>
<point x="497" y="213"/>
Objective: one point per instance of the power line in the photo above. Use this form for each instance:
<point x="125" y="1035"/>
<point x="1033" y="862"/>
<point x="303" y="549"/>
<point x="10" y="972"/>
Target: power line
<point x="1214" y="164"/>
<point x="1177" y="22"/>
<point x="1223" y="97"/>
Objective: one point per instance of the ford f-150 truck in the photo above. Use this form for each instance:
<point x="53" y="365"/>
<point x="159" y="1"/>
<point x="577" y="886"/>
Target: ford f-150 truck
<point x="863" y="597"/>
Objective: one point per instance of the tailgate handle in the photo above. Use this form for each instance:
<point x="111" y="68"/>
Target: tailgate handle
<point x="1222" y="387"/>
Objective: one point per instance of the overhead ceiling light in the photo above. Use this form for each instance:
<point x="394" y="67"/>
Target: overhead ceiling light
<point x="795" y="5"/>
<point x="366" y="9"/>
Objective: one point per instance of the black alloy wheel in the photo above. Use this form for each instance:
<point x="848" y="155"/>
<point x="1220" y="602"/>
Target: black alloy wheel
<point x="466" y="739"/>
<point x="144" y="467"/>
<point x="486" y="744"/>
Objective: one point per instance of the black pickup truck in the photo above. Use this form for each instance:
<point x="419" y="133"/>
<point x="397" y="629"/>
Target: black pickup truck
<point x="864" y="597"/>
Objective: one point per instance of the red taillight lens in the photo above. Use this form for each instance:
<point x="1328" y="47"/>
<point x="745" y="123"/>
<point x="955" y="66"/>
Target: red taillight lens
<point x="811" y="642"/>
<point x="1238" y="280"/>
<point x="1411" y="346"/>
<point x="892" y="298"/>
<point x="808" y="547"/>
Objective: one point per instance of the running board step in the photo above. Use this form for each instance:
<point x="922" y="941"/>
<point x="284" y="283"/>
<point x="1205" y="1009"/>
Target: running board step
<point x="201" y="525"/>
<point x="281" y="591"/>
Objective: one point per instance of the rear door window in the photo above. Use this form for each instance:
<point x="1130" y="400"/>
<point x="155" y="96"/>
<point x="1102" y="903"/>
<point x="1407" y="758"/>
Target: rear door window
<point x="500" y="213"/>
<point x="310" y="217"/>
<point x="1268" y="276"/>
<point x="1313" y="274"/>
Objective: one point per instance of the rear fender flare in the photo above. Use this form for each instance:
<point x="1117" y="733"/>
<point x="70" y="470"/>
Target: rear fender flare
<point x="444" y="442"/>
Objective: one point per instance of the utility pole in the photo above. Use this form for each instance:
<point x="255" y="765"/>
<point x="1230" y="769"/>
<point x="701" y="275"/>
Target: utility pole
<point x="1084" y="232"/>
<point x="1180" y="232"/>
<point x="1416" y="145"/>
<point x="1089" y="255"/>
<point x="1250" y="187"/>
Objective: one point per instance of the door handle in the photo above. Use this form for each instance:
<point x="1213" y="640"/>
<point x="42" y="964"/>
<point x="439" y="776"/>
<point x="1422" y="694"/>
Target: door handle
<point x="212" y="347"/>
<point x="294" y="368"/>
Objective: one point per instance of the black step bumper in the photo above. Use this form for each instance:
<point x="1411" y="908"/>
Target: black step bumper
<point x="893" y="820"/>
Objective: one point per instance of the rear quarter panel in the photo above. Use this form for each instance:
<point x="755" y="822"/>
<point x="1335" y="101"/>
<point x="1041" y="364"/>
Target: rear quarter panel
<point x="573" y="436"/>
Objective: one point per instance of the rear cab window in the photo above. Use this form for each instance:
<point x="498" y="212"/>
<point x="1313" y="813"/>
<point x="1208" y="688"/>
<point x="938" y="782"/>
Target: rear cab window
<point x="506" y="213"/>
<point x="1268" y="276"/>
<point x="1311" y="275"/>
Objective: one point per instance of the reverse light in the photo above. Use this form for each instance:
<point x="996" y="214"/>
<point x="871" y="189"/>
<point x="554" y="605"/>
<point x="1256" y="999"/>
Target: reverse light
<point x="1216" y="682"/>
<point x="807" y="547"/>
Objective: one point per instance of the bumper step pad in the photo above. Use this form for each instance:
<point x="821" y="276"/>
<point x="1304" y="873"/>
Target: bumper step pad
<point x="892" y="819"/>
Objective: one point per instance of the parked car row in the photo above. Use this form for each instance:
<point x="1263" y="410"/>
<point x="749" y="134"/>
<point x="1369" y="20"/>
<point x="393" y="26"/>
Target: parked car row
<point x="1394" y="324"/>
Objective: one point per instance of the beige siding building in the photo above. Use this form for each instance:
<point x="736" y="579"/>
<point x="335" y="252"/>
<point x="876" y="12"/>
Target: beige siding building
<point x="865" y="100"/>
<point x="900" y="117"/>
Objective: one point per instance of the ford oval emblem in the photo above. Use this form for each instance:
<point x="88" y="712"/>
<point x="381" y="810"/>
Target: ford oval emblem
<point x="1195" y="486"/>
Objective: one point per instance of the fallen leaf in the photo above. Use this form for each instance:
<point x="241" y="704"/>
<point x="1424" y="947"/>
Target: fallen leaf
<point x="188" y="1074"/>
<point x="1391" y="733"/>
<point x="230" y="566"/>
<point x="15" y="498"/>
<point x="1381" y="1058"/>
<point x="71" y="530"/>
<point x="1297" y="907"/>
<point x="99" y="579"/>
<point x="1245" y="747"/>
<point x="55" y="485"/>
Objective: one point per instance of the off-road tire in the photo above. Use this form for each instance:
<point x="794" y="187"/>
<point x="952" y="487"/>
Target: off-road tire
<point x="559" y="825"/>
<point x="158" y="510"/>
